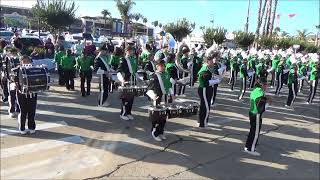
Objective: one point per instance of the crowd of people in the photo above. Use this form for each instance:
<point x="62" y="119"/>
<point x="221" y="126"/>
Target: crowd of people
<point x="168" y="72"/>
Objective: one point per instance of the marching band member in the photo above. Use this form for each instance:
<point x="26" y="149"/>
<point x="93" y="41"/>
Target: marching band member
<point x="12" y="58"/>
<point x="258" y="104"/>
<point x="68" y="66"/>
<point x="150" y="63"/>
<point x="184" y="61"/>
<point x="173" y="71"/>
<point x="280" y="75"/>
<point x="85" y="64"/>
<point x="252" y="67"/>
<point x="292" y="85"/>
<point x="158" y="90"/>
<point x="4" y="73"/>
<point x="102" y="67"/>
<point x="205" y="89"/>
<point x="114" y="63"/>
<point x="217" y="71"/>
<point x="233" y="71"/>
<point x="144" y="54"/>
<point x="243" y="77"/>
<point x="275" y="62"/>
<point x="57" y="59"/>
<point x="127" y="74"/>
<point x="27" y="103"/>
<point x="302" y="72"/>
<point x="314" y="78"/>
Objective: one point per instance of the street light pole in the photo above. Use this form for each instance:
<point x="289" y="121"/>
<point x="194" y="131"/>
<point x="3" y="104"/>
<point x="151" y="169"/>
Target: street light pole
<point x="246" y="26"/>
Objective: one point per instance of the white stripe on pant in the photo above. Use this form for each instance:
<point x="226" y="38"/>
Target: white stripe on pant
<point x="207" y="105"/>
<point x="256" y="135"/>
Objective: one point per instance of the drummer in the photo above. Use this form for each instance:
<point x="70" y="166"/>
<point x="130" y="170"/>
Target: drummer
<point x="158" y="90"/>
<point x="127" y="75"/>
<point x="27" y="103"/>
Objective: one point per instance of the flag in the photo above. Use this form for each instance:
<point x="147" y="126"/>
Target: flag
<point x="291" y="15"/>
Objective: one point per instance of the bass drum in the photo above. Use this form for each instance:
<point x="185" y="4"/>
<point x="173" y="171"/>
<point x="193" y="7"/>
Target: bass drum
<point x="126" y="92"/>
<point x="33" y="79"/>
<point x="157" y="113"/>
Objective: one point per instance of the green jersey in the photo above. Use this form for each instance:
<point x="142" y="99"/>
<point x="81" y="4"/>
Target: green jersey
<point x="166" y="81"/>
<point x="233" y="63"/>
<point x="314" y="74"/>
<point x="133" y="62"/>
<point x="275" y="63"/>
<point x="243" y="71"/>
<point x="292" y="77"/>
<point x="168" y="66"/>
<point x="58" y="56"/>
<point x="84" y="63"/>
<point x="114" y="61"/>
<point x="256" y="94"/>
<point x="204" y="76"/>
<point x="144" y="56"/>
<point x="68" y="62"/>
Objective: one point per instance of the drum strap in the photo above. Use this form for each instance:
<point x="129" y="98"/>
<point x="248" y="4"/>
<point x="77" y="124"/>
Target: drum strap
<point x="105" y="63"/>
<point x="153" y="66"/>
<point x="161" y="83"/>
<point x="129" y="65"/>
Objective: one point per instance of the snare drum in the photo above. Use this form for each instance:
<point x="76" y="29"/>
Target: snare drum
<point x="33" y="79"/>
<point x="157" y="113"/>
<point x="185" y="110"/>
<point x="195" y="108"/>
<point x="114" y="77"/>
<point x="126" y="92"/>
<point x="172" y="110"/>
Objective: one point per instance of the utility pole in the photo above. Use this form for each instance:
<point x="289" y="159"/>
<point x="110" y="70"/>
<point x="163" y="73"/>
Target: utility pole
<point x="246" y="26"/>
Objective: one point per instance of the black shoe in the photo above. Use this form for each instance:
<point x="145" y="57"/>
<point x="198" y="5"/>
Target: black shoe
<point x="5" y="100"/>
<point x="83" y="95"/>
<point x="88" y="94"/>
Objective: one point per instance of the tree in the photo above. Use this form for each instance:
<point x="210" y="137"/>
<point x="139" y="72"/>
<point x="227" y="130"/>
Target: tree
<point x="179" y="29"/>
<point x="160" y="25"/>
<point x="218" y="35"/>
<point x="145" y="20"/>
<point x="260" y="17"/>
<point x="125" y="8"/>
<point x="266" y="42"/>
<point x="302" y="35"/>
<point x="273" y="16"/>
<point x="243" y="39"/>
<point x="268" y="17"/>
<point x="155" y="23"/>
<point x="105" y="13"/>
<point x="56" y="14"/>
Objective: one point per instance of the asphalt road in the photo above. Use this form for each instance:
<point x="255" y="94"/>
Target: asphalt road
<point x="76" y="139"/>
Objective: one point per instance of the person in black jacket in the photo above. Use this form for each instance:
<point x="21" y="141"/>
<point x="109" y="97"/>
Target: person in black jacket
<point x="27" y="103"/>
<point x="127" y="74"/>
<point x="158" y="90"/>
<point x="173" y="72"/>
<point x="102" y="68"/>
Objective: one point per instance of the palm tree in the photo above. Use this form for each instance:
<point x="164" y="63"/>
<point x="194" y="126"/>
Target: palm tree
<point x="268" y="17"/>
<point x="145" y="20"/>
<point x="284" y="34"/>
<point x="155" y="23"/>
<point x="260" y="17"/>
<point x="105" y="13"/>
<point x="273" y="16"/>
<point x="302" y="35"/>
<point x="160" y="25"/>
<point x="124" y="8"/>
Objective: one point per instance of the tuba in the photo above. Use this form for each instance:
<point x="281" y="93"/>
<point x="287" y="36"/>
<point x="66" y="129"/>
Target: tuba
<point x="185" y="79"/>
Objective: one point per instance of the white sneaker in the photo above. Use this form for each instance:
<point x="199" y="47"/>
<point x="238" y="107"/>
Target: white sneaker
<point x="124" y="118"/>
<point x="23" y="132"/>
<point x="157" y="138"/>
<point x="130" y="116"/>
<point x="183" y="95"/>
<point x="32" y="131"/>
<point x="106" y="104"/>
<point x="254" y="153"/>
<point x="162" y="136"/>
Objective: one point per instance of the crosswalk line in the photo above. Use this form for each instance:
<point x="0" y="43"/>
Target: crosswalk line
<point x="11" y="131"/>
<point x="45" y="145"/>
<point x="52" y="167"/>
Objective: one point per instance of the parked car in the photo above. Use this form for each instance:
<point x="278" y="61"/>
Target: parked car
<point x="6" y="35"/>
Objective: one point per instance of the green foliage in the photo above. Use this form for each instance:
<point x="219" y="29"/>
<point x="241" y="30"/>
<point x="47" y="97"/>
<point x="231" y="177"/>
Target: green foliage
<point x="243" y="39"/>
<point x="14" y="22"/>
<point x="56" y="14"/>
<point x="302" y="34"/>
<point x="155" y="23"/>
<point x="218" y="35"/>
<point x="125" y="8"/>
<point x="310" y="48"/>
<point x="179" y="29"/>
<point x="284" y="43"/>
<point x="266" y="42"/>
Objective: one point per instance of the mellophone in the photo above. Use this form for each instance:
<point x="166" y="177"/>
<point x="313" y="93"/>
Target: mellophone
<point x="173" y="110"/>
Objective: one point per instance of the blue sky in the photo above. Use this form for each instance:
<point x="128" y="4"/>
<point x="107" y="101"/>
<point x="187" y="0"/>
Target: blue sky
<point x="229" y="14"/>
